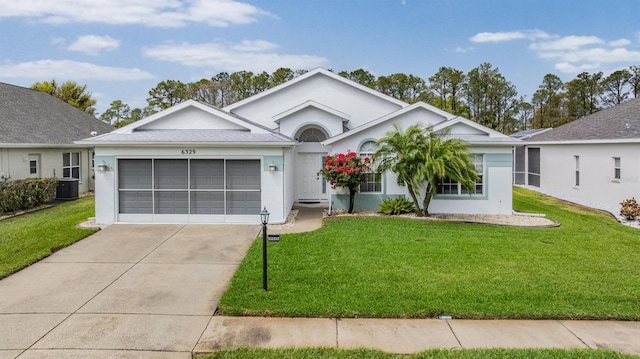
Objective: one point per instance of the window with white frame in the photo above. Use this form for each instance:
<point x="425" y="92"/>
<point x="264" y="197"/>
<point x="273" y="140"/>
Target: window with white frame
<point x="577" y="161"/>
<point x="478" y="162"/>
<point x="71" y="165"/>
<point x="449" y="187"/>
<point x="616" y="168"/>
<point x="373" y="180"/>
<point x="33" y="167"/>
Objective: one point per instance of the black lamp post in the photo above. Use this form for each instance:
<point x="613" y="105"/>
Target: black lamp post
<point x="264" y="218"/>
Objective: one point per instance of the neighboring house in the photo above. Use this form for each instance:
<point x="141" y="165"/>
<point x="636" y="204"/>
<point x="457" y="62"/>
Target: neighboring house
<point x="37" y="134"/>
<point x="595" y="159"/>
<point x="197" y="163"/>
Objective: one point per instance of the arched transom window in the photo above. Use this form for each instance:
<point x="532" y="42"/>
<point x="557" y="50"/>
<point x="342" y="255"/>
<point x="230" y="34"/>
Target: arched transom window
<point x="312" y="135"/>
<point x="373" y="180"/>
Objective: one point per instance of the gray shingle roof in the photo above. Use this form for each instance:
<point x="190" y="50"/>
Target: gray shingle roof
<point x="615" y="123"/>
<point x="524" y="134"/>
<point x="188" y="136"/>
<point x="30" y="116"/>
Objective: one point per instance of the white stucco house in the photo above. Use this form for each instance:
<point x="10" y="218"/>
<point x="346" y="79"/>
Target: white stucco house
<point x="197" y="163"/>
<point x="595" y="159"/>
<point x="37" y="135"/>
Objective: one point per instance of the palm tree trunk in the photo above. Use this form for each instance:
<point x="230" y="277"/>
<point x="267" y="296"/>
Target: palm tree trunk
<point x="415" y="199"/>
<point x="428" y="194"/>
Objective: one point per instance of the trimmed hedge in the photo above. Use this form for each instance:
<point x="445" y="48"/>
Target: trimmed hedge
<point x="23" y="194"/>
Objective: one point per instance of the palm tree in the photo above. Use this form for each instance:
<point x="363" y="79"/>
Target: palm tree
<point x="445" y="157"/>
<point x="401" y="152"/>
<point x="421" y="158"/>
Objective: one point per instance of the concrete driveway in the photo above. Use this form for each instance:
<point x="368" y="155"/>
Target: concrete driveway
<point x="128" y="291"/>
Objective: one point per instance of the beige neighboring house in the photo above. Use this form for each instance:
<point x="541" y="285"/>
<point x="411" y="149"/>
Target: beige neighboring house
<point x="37" y="134"/>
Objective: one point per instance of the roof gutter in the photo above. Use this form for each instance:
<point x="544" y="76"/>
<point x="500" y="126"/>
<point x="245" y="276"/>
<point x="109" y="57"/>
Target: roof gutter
<point x="190" y="144"/>
<point x="76" y="144"/>
<point x="583" y="142"/>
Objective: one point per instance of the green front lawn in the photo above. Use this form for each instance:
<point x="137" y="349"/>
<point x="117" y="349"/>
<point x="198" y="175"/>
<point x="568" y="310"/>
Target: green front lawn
<point x="30" y="237"/>
<point x="429" y="354"/>
<point x="588" y="268"/>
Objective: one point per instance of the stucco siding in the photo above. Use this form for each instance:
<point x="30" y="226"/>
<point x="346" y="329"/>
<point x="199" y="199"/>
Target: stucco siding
<point x="596" y="166"/>
<point x="361" y="106"/>
<point x="190" y="118"/>
<point x="289" y="184"/>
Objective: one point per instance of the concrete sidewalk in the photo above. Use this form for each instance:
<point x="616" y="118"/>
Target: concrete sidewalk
<point x="408" y="336"/>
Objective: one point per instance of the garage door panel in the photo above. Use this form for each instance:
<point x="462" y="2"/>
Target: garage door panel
<point x="134" y="174"/>
<point x="136" y="202"/>
<point x="171" y="174"/>
<point x="207" y="202"/>
<point x="240" y="202"/>
<point x="243" y="174"/>
<point x="172" y="202"/>
<point x="207" y="174"/>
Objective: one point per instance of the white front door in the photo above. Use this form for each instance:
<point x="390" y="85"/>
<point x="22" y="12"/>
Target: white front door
<point x="309" y="179"/>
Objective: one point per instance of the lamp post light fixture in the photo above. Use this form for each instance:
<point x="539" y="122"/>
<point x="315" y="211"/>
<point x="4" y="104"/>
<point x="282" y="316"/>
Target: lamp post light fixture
<point x="264" y="218"/>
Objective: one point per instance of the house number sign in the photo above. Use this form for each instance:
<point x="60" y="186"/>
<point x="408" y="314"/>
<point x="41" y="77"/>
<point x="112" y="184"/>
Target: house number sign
<point x="189" y="152"/>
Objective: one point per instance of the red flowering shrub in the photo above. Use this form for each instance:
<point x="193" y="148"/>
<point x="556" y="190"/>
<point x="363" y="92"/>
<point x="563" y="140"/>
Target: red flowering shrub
<point x="346" y="170"/>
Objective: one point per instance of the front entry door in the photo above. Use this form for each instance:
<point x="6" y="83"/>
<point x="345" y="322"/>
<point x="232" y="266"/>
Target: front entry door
<point x="309" y="180"/>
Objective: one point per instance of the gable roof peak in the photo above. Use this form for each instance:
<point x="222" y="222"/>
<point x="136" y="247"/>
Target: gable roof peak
<point x="215" y="111"/>
<point x="319" y="71"/>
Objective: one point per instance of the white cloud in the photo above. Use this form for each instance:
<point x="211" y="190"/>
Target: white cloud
<point x="157" y="13"/>
<point x="248" y="55"/>
<point x="93" y="44"/>
<point x="509" y="36"/>
<point x="567" y="43"/>
<point x="619" y="43"/>
<point x="569" y="68"/>
<point x="58" y="41"/>
<point x="463" y="50"/>
<point x="257" y="45"/>
<point x="71" y="70"/>
<point x="604" y="55"/>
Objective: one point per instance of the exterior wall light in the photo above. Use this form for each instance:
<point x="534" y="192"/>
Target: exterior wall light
<point x="103" y="167"/>
<point x="272" y="167"/>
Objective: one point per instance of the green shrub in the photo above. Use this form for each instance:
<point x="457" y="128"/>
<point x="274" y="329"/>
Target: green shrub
<point x="395" y="206"/>
<point x="630" y="209"/>
<point x="25" y="194"/>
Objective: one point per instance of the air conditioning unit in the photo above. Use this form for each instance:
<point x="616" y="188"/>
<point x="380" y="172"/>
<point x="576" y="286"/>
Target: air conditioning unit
<point x="67" y="188"/>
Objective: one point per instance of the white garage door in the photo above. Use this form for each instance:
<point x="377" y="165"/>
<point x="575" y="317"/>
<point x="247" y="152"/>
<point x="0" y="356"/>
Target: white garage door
<point x="188" y="190"/>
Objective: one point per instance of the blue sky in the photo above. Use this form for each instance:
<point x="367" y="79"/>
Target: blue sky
<point x="122" y="48"/>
